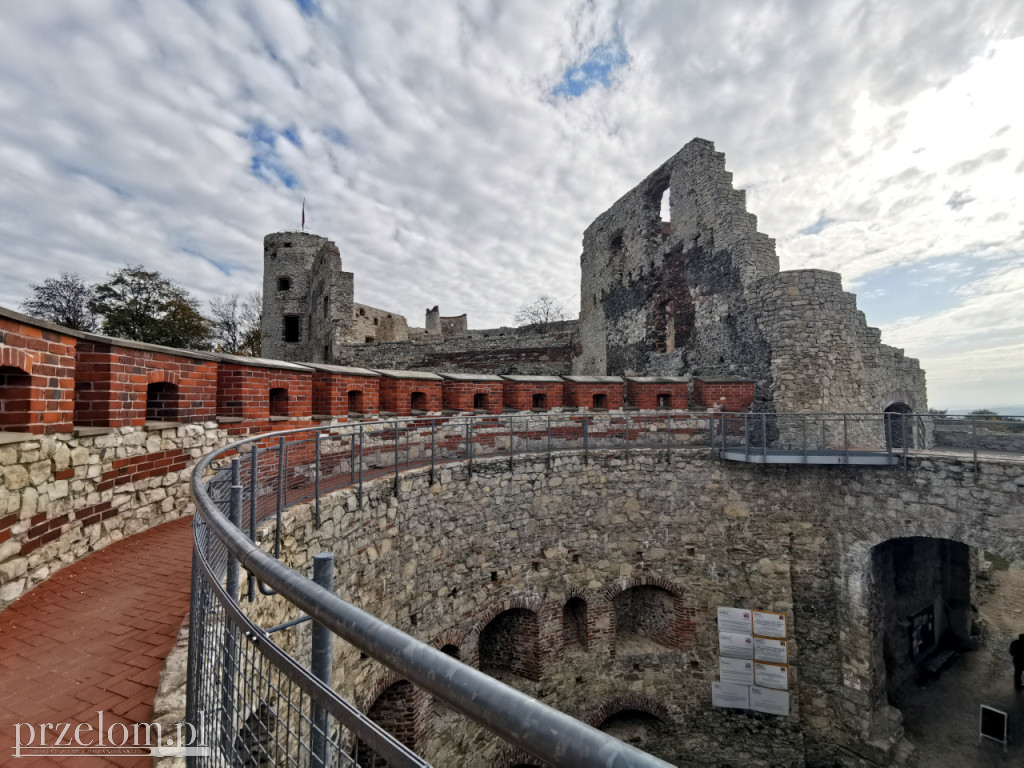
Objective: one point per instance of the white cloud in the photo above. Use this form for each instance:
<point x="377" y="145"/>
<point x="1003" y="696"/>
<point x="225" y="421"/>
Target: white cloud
<point x="435" y="154"/>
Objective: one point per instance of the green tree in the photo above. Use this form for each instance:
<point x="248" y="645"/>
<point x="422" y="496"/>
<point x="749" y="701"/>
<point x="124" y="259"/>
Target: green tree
<point x="143" y="306"/>
<point x="63" y="300"/>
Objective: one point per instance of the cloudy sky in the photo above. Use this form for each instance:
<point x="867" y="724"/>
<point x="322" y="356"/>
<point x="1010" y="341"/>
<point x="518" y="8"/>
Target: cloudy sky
<point x="456" y="151"/>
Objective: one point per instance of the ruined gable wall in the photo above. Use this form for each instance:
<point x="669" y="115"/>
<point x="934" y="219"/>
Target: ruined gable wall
<point x="656" y="302"/>
<point x="378" y="324"/>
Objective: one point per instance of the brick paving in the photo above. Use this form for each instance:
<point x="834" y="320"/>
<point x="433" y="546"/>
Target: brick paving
<point x="93" y="637"/>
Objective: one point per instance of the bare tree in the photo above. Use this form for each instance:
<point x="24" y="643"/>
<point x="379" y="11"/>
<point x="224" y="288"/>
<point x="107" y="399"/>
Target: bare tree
<point x="541" y="313"/>
<point x="63" y="300"/>
<point x="235" y="323"/>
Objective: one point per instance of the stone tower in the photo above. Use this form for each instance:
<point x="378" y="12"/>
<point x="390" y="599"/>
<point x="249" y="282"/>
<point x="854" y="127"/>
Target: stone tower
<point x="307" y="298"/>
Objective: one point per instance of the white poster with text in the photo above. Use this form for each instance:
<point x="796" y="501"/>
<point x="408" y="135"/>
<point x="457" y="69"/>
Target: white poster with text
<point x="775" y="651"/>
<point x="735" y="645"/>
<point x="768" y="701"/>
<point x="771" y="676"/>
<point x="734" y="620"/>
<point x="739" y="671"/>
<point x="770" y="624"/>
<point x="730" y="695"/>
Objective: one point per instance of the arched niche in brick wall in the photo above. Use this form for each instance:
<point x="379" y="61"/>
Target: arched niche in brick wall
<point x="278" y="401"/>
<point x="15" y="399"/>
<point x="394" y="710"/>
<point x="644" y="614"/>
<point x="162" y="401"/>
<point x="510" y="643"/>
<point x="574" y="624"/>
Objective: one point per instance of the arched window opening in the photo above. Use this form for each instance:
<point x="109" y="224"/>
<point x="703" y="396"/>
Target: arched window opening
<point x="291" y="328"/>
<point x="15" y="399"/>
<point x="664" y="400"/>
<point x="284" y="283"/>
<point x="480" y="401"/>
<point x="666" y="211"/>
<point x="376" y="321"/>
<point x="632" y="726"/>
<point x="162" y="401"/>
<point x="395" y="712"/>
<point x="355" y="401"/>
<point x="452" y="650"/>
<point x="600" y="400"/>
<point x="509" y="644"/>
<point x="418" y="401"/>
<point x="899" y="426"/>
<point x="540" y="401"/>
<point x="278" y="401"/>
<point x="644" y="619"/>
<point x="362" y="312"/>
<point x="574" y="624"/>
<point x="327" y="305"/>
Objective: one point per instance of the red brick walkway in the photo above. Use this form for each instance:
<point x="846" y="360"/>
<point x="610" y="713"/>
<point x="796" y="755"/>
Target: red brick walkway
<point x="94" y="637"/>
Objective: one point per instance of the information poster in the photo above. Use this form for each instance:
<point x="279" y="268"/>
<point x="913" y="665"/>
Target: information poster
<point x="775" y="651"/>
<point x="770" y="624"/>
<point x="730" y="695"/>
<point x="738" y="671"/>
<point x="735" y="646"/>
<point x="771" y="675"/>
<point x="734" y="620"/>
<point x="768" y="701"/>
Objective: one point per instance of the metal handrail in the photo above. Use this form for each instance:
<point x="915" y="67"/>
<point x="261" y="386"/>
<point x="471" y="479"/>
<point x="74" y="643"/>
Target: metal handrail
<point x="520" y="720"/>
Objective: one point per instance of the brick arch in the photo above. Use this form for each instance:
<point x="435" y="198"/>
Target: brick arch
<point x="897" y="396"/>
<point x="646" y="580"/>
<point x="634" y="701"/>
<point x="449" y="637"/>
<point x="529" y="603"/>
<point x="161" y="376"/>
<point x="18" y="358"/>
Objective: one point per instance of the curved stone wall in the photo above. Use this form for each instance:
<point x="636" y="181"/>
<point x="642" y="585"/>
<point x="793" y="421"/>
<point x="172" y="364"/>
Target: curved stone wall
<point x="443" y="560"/>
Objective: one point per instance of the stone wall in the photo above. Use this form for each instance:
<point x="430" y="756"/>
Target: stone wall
<point x="501" y="351"/>
<point x="703" y="294"/>
<point x="63" y="496"/>
<point x="438" y="562"/>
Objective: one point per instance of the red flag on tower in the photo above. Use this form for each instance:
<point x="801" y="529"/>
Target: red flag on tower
<point x="303" y="214"/>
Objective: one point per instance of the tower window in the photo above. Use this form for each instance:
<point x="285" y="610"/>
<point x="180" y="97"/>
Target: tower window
<point x="284" y="283"/>
<point x="291" y="328"/>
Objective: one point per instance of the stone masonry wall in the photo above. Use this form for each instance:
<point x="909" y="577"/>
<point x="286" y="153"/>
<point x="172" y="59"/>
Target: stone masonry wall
<point x="436" y="561"/>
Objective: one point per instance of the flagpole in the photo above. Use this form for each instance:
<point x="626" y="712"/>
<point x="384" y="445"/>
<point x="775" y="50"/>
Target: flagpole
<point x="303" y="214"/>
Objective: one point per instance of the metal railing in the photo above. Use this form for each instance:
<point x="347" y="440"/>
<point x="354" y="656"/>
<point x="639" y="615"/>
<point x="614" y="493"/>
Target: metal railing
<point x="257" y="705"/>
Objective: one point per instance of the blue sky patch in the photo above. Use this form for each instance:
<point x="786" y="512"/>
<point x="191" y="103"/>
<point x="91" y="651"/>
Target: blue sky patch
<point x="817" y="226"/>
<point x="336" y="135"/>
<point x="266" y="163"/>
<point x="308" y="7"/>
<point x="292" y="134"/>
<point x="920" y="289"/>
<point x="595" y="70"/>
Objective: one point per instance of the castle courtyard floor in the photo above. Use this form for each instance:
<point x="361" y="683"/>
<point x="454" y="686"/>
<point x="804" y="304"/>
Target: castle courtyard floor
<point x="94" y="636"/>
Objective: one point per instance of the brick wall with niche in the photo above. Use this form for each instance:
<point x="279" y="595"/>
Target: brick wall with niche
<point x="259" y="391"/>
<point x="37" y="363"/>
<point x="724" y="393"/>
<point x="651" y="392"/>
<point x="532" y="393"/>
<point x="472" y="392"/>
<point x="339" y="391"/>
<point x="126" y="384"/>
<point x="404" y="393"/>
<point x="594" y="392"/>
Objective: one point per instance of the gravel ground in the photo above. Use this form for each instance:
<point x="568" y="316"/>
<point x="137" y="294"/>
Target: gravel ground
<point x="941" y="718"/>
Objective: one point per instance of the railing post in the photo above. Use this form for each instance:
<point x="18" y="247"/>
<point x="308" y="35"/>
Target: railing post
<point x="433" y="443"/>
<point x="846" y="441"/>
<point x="722" y="425"/>
<point x="228" y="671"/>
<point x="671" y="438"/>
<point x="586" y="438"/>
<point x="805" y="436"/>
<point x="903" y="430"/>
<point x="360" y="492"/>
<point x="511" y="449"/>
<point x="974" y="442"/>
<point x="321" y="660"/>
<point x="352" y="460"/>
<point x="396" y="458"/>
<point x="253" y="466"/>
<point x="280" y="496"/>
<point x="548" y="460"/>
<point x="316" y="477"/>
<point x="469" y="443"/>
<point x="764" y="438"/>
<point x="627" y="437"/>
<point x="746" y="437"/>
